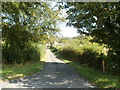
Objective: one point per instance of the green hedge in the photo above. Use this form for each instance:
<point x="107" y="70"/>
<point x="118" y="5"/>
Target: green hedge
<point x="31" y="52"/>
<point x="90" y="55"/>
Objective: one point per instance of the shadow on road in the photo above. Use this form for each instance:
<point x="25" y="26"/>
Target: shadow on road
<point x="55" y="74"/>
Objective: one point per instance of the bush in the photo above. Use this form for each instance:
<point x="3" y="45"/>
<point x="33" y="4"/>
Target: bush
<point x="42" y="49"/>
<point x="31" y="52"/>
<point x="91" y="55"/>
<point x="88" y="56"/>
<point x="113" y="64"/>
<point x="91" y="58"/>
<point x="9" y="55"/>
<point x="70" y="52"/>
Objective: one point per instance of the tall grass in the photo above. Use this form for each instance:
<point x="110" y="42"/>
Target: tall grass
<point x="12" y="72"/>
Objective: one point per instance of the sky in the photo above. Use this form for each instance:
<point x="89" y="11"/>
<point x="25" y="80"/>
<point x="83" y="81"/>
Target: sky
<point x="66" y="31"/>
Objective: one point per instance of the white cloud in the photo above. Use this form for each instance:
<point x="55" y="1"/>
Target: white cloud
<point x="68" y="31"/>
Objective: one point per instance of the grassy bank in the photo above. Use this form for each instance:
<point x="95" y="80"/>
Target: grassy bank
<point x="95" y="77"/>
<point x="16" y="71"/>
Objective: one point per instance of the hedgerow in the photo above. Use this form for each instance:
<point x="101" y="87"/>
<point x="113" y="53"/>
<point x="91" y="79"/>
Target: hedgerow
<point x="89" y="54"/>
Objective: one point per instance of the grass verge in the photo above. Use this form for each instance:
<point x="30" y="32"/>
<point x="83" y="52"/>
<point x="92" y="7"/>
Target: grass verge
<point x="13" y="72"/>
<point x="94" y="76"/>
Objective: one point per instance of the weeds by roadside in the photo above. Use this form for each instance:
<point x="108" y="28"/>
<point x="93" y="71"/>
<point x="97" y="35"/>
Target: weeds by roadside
<point x="12" y="72"/>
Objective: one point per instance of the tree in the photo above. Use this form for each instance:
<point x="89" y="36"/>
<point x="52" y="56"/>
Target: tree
<point x="26" y="22"/>
<point x="100" y="20"/>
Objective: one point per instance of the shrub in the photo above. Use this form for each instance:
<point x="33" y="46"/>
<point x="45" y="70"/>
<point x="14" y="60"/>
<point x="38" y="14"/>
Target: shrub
<point x="91" y="55"/>
<point x="113" y="64"/>
<point x="70" y="52"/>
<point x="9" y="55"/>
<point x="91" y="58"/>
<point x="42" y="49"/>
<point x="31" y="52"/>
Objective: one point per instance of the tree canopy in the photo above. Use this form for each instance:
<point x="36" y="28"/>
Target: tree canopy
<point x="27" y="21"/>
<point x="24" y="24"/>
<point x="99" y="19"/>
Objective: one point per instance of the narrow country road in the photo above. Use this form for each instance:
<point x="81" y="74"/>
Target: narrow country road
<point x="55" y="74"/>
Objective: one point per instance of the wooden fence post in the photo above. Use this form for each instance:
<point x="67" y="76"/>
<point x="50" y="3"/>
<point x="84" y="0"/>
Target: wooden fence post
<point x="103" y="66"/>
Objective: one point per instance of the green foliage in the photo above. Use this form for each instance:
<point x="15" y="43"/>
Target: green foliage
<point x="24" y="23"/>
<point x="9" y="55"/>
<point x="100" y="20"/>
<point x="31" y="53"/>
<point x="89" y="54"/>
<point x="42" y="49"/>
<point x="112" y="64"/>
<point x="39" y="19"/>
